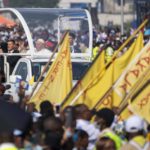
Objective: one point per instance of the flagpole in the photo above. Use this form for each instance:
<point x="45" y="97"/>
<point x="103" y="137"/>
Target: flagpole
<point x="129" y="95"/>
<point x="47" y="64"/>
<point x="109" y="63"/>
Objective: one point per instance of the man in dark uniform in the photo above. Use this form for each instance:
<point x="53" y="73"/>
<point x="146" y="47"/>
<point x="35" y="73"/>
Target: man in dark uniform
<point x="12" y="60"/>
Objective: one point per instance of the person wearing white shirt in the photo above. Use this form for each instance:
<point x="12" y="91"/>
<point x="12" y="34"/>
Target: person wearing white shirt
<point x="40" y="48"/>
<point x="83" y="115"/>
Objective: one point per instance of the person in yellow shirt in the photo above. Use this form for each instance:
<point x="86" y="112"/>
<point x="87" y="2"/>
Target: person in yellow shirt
<point x="95" y="49"/>
<point x="109" y="51"/>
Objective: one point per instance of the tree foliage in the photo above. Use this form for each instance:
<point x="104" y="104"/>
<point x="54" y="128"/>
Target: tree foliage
<point x="33" y="3"/>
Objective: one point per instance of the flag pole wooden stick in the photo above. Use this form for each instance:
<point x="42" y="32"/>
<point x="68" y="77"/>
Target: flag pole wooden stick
<point x="48" y="63"/>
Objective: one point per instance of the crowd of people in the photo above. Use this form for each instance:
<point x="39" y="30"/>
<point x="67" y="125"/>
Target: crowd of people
<point x="24" y="126"/>
<point x="74" y="127"/>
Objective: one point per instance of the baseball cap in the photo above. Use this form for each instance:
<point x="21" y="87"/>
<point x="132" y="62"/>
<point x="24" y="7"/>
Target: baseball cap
<point x="134" y="124"/>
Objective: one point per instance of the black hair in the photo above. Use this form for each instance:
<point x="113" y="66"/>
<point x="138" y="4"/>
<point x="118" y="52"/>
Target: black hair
<point x="13" y="41"/>
<point x="100" y="145"/>
<point x="46" y="108"/>
<point x="4" y="47"/>
<point x="72" y="35"/>
<point x="78" y="133"/>
<point x="107" y="115"/>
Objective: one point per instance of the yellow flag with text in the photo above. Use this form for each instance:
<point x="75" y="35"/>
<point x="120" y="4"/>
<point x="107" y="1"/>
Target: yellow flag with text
<point x="121" y="63"/>
<point x="58" y="81"/>
<point x="133" y="72"/>
<point x="117" y="68"/>
<point x="97" y="66"/>
<point x="141" y="102"/>
<point x="137" y="99"/>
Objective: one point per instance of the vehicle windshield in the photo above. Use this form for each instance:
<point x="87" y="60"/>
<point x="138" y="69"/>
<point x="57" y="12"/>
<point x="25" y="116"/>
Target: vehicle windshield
<point x="78" y="69"/>
<point x="50" y="24"/>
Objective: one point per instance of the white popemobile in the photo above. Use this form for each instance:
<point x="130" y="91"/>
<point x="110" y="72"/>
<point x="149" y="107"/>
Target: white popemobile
<point x="27" y="26"/>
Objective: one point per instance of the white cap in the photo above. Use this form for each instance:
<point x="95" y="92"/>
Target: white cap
<point x="134" y="124"/>
<point x="17" y="132"/>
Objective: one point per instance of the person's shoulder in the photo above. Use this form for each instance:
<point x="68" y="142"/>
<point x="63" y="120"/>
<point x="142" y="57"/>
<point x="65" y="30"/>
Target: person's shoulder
<point x="127" y="146"/>
<point x="15" y="51"/>
<point x="47" y="50"/>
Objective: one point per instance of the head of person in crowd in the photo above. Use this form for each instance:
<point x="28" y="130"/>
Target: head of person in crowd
<point x="11" y="46"/>
<point x="105" y="143"/>
<point x="97" y="44"/>
<point x="46" y="108"/>
<point x="104" y="118"/>
<point x="82" y="112"/>
<point x="72" y="38"/>
<point x="3" y="47"/>
<point x="134" y="126"/>
<point x="117" y="43"/>
<point x="18" y="138"/>
<point x="80" y="139"/>
<point x="30" y="107"/>
<point x="40" y="44"/>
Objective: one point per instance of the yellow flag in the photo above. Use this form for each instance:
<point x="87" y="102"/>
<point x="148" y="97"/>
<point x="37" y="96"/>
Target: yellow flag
<point x="133" y="72"/>
<point x="132" y="99"/>
<point x="117" y="68"/>
<point x="140" y="104"/>
<point x="58" y="81"/>
<point x="121" y="62"/>
<point x="125" y="114"/>
<point x="97" y="66"/>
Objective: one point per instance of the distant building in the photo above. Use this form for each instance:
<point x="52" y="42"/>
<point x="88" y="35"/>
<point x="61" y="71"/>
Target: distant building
<point x="108" y="11"/>
<point x="77" y="3"/>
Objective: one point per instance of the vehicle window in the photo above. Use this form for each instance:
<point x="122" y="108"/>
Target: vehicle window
<point x="22" y="70"/>
<point x="37" y="68"/>
<point x="78" y="69"/>
<point x="48" y="25"/>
